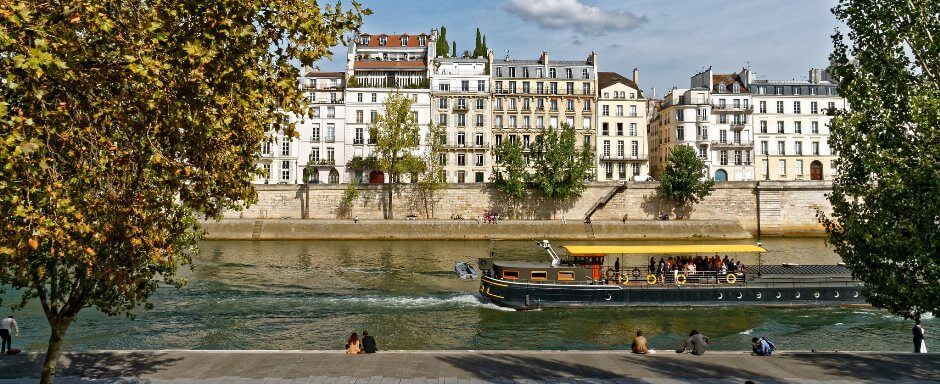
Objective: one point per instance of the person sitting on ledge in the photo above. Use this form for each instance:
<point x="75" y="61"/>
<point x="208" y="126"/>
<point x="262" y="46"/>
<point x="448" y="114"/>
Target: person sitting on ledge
<point x="354" y="345"/>
<point x="639" y="344"/>
<point x="697" y="341"/>
<point x="368" y="343"/>
<point x="761" y="347"/>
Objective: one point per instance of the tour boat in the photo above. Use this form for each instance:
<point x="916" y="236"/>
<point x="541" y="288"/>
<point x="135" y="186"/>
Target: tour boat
<point x="582" y="279"/>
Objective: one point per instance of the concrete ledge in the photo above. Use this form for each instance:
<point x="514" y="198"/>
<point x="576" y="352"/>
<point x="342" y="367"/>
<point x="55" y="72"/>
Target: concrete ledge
<point x="479" y="366"/>
<point x="298" y="229"/>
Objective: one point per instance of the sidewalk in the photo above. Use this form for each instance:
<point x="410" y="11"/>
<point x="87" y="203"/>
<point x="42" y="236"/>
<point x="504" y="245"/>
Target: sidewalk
<point x="460" y="367"/>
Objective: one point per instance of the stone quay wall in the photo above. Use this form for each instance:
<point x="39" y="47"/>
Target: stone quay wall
<point x="786" y="208"/>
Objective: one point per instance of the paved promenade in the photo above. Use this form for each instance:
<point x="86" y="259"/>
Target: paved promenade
<point x="465" y="367"/>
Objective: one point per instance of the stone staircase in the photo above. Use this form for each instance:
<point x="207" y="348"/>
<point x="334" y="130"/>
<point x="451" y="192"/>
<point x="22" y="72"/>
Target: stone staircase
<point x="600" y="203"/>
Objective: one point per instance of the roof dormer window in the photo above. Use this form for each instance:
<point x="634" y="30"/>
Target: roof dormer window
<point x="364" y="40"/>
<point x="382" y="41"/>
<point x="736" y="88"/>
<point x="422" y="40"/>
<point x="404" y="41"/>
<point x="719" y="88"/>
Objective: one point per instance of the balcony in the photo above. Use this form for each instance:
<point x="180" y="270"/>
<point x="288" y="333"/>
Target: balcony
<point x="329" y="140"/>
<point x="731" y="109"/>
<point x="732" y="144"/>
<point x="314" y="161"/>
<point x="701" y="137"/>
<point x="609" y="157"/>
<point x="458" y="107"/>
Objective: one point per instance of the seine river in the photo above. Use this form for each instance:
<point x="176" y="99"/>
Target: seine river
<point x="312" y="294"/>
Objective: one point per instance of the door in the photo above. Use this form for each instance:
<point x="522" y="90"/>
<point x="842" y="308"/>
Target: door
<point x="815" y="170"/>
<point x="376" y="177"/>
<point x="721" y="175"/>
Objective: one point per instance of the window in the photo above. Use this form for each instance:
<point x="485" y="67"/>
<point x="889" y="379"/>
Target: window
<point x="780" y="127"/>
<point x="266" y="169"/>
<point x="461" y="119"/>
<point x="553" y="88"/>
<point x="512" y="71"/>
<point x="763" y="148"/>
<point x="585" y="74"/>
<point x="359" y="97"/>
<point x="554" y="105"/>
<point x="568" y="74"/>
<point x="375" y="97"/>
<point x="512" y="87"/>
<point x="634" y="148"/>
<point x="285" y="170"/>
<point x="285" y="146"/>
<point x="315" y="154"/>
<point x="633" y="129"/>
<point x="587" y="106"/>
<point x="799" y="167"/>
<point x="815" y="126"/>
<point x="815" y="148"/>
<point x="783" y="167"/>
<point x="781" y="148"/>
<point x="330" y="154"/>
<point x="813" y="107"/>
<point x="465" y="85"/>
<point x="442" y="119"/>
<point x="737" y="157"/>
<point x="383" y="40"/>
<point x="551" y="73"/>
<point x="586" y="123"/>
<point x="620" y="149"/>
<point x="605" y="110"/>
<point x="478" y="120"/>
<point x="565" y="275"/>
<point x="702" y="153"/>
<point x="359" y="138"/>
<point x="779" y="107"/>
<point x="570" y="105"/>
<point x="461" y="159"/>
<point x="633" y="111"/>
<point x="763" y="126"/>
<point x="797" y="127"/>
<point x="461" y="176"/>
<point x="680" y="133"/>
<point x="479" y="139"/>
<point x="609" y="170"/>
<point x="480" y="104"/>
<point x="798" y="148"/>
<point x="499" y="122"/>
<point x="722" y="104"/>
<point x="796" y="91"/>
<point x="622" y="171"/>
<point x="359" y="117"/>
<point x="540" y="88"/>
<point x="266" y="148"/>
<point x="510" y="274"/>
<point x="586" y="88"/>
<point x="605" y="129"/>
<point x="478" y="160"/>
<point x="526" y="140"/>
<point x="481" y="85"/>
<point x="478" y="177"/>
<point x="570" y="121"/>
<point x="499" y="72"/>
<point x="723" y="157"/>
<point x="606" y="148"/>
<point x="569" y="87"/>
<point x="330" y="133"/>
<point x="540" y="121"/>
<point x="796" y="106"/>
<point x="763" y="105"/>
<point x="512" y="122"/>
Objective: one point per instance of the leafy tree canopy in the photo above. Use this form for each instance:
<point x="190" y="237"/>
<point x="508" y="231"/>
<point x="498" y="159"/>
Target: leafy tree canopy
<point x="397" y="136"/>
<point x="886" y="195"/>
<point x="560" y="167"/>
<point x="685" y="180"/>
<point x="122" y="123"/>
<point x="509" y="173"/>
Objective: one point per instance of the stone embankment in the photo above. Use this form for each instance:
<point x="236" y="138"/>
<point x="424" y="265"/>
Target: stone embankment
<point x="777" y="208"/>
<point x="444" y="367"/>
<point x="299" y="229"/>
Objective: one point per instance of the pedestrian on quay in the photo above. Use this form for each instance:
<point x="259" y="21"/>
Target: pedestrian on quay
<point x="368" y="343"/>
<point x="920" y="344"/>
<point x="697" y="341"/>
<point x="7" y="328"/>
<point x="354" y="345"/>
<point x="639" y="344"/>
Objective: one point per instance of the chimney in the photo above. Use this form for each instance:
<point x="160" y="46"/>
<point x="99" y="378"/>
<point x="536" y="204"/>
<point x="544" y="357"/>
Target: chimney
<point x="815" y="75"/>
<point x="544" y="58"/>
<point x="636" y="76"/>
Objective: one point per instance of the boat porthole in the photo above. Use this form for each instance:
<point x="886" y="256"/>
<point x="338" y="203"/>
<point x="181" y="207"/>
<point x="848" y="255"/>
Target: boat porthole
<point x="779" y="295"/>
<point x="855" y="294"/>
<point x="759" y="295"/>
<point x="816" y="294"/>
<point x="836" y="295"/>
<point x="797" y="295"/>
<point x="608" y="297"/>
<point x="721" y="296"/>
<point x="740" y="295"/>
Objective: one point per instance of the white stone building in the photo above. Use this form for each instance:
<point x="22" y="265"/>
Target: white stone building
<point x="622" y="146"/>
<point x="792" y="127"/>
<point x="378" y="66"/>
<point x="461" y="102"/>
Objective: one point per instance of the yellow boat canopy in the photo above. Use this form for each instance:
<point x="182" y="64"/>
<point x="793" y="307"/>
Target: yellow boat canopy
<point x="599" y="250"/>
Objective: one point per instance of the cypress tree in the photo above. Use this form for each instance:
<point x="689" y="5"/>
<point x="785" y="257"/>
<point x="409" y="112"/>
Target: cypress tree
<point x="454" y="49"/>
<point x="485" y="51"/>
<point x="477" y="45"/>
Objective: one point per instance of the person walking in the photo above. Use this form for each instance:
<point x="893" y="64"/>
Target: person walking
<point x="7" y="327"/>
<point x="368" y="343"/>
<point x="639" y="344"/>
<point x="697" y="341"/>
<point x="920" y="345"/>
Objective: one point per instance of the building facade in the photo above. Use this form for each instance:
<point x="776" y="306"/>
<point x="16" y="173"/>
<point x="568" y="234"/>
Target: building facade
<point x="461" y="102"/>
<point x="529" y="95"/>
<point x="622" y="146"/>
<point x="378" y="66"/>
<point x="792" y="135"/>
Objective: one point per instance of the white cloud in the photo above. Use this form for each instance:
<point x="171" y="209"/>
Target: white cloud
<point x="574" y="15"/>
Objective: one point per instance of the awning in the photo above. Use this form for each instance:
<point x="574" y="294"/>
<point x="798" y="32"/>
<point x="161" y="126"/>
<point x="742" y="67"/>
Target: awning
<point x="594" y="250"/>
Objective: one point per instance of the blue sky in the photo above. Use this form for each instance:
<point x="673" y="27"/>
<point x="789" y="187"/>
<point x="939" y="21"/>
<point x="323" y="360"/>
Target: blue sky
<point x="668" y="40"/>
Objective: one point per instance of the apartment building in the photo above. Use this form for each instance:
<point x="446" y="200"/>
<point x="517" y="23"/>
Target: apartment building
<point x="378" y="66"/>
<point x="312" y="155"/>
<point x="529" y="95"/>
<point x="714" y="118"/>
<point x="461" y="102"/>
<point x="792" y="133"/>
<point x="622" y="145"/>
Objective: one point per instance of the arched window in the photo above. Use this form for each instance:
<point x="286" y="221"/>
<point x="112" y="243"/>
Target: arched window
<point x="334" y="176"/>
<point x="721" y="175"/>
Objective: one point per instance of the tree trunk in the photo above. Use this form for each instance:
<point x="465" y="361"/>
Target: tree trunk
<point x="391" y="213"/>
<point x="52" y="351"/>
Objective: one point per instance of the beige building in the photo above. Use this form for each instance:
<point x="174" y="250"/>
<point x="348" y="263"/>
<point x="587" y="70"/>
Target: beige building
<point x="621" y="148"/>
<point x="461" y="102"/>
<point x="529" y="95"/>
<point x="792" y="127"/>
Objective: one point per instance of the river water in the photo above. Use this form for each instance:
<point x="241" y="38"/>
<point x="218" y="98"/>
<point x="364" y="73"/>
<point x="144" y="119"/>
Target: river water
<point x="312" y="294"/>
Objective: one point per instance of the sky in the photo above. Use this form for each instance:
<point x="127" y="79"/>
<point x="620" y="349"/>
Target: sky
<point x="667" y="40"/>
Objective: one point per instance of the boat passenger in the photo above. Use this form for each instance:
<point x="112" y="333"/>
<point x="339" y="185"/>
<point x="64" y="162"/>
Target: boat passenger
<point x="617" y="266"/>
<point x="652" y="265"/>
<point x="354" y="345"/>
<point x="639" y="344"/>
<point x="697" y="341"/>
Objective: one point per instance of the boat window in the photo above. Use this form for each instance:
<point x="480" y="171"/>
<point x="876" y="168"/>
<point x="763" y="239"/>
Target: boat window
<point x="539" y="275"/>
<point x="565" y="275"/>
<point x="511" y="275"/>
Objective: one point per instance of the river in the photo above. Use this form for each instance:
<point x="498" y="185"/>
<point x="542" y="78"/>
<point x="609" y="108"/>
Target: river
<point x="312" y="294"/>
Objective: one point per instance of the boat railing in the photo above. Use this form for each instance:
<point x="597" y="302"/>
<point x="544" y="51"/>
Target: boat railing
<point x="638" y="276"/>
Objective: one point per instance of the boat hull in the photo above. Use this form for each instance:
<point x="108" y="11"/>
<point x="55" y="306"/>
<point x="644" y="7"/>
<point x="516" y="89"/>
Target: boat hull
<point x="535" y="296"/>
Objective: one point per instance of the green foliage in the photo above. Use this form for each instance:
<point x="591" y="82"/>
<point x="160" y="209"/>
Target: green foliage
<point x="454" y="49"/>
<point x="124" y="122"/>
<point x="350" y="194"/>
<point x="352" y="82"/>
<point x="561" y="169"/>
<point x="886" y="195"/>
<point x="479" y="48"/>
<point x="442" y="46"/>
<point x="431" y="180"/>
<point x="685" y="180"/>
<point x="397" y="136"/>
<point x="510" y="174"/>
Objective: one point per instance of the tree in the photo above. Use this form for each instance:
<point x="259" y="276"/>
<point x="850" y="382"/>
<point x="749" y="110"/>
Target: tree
<point x="396" y="135"/>
<point x="124" y="122"/>
<point x="486" y="50"/>
<point x="350" y="194"/>
<point x="478" y="45"/>
<point x="432" y="179"/>
<point x="685" y="181"/>
<point x="886" y="195"/>
<point x="510" y="175"/>
<point x="454" y="49"/>
<point x="442" y="45"/>
<point x="560" y="168"/>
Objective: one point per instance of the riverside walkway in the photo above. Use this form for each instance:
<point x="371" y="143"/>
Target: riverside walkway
<point x="465" y="367"/>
